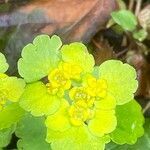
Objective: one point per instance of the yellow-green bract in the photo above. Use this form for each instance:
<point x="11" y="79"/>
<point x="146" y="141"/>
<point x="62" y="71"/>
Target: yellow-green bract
<point x="79" y="99"/>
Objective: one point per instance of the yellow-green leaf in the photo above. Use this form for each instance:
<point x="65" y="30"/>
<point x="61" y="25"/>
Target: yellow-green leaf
<point x="130" y="122"/>
<point x="39" y="58"/>
<point x="38" y="101"/>
<point x="121" y="80"/>
<point x="3" y="64"/>
<point x="10" y="115"/>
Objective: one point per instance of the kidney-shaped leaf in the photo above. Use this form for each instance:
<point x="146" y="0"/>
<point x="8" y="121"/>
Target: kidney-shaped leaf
<point x="121" y="80"/>
<point x="39" y="58"/>
<point x="32" y="133"/>
<point x="130" y="123"/>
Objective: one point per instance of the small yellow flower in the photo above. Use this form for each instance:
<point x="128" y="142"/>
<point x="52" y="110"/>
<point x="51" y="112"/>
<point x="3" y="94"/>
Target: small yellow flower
<point x="70" y="70"/>
<point x="51" y="89"/>
<point x="79" y="113"/>
<point x="58" y="79"/>
<point x="96" y="87"/>
<point x="80" y="94"/>
<point x="54" y="90"/>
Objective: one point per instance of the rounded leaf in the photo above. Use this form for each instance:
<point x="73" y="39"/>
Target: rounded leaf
<point x="13" y="87"/>
<point x="32" y="132"/>
<point x="38" y="101"/>
<point x="76" y="53"/>
<point x="107" y="103"/>
<point x="60" y="120"/>
<point x="39" y="58"/>
<point x="143" y="143"/>
<point x="121" y="80"/>
<point x="76" y="138"/>
<point x="10" y="115"/>
<point x="5" y="136"/>
<point x="130" y="122"/>
<point x="104" y="122"/>
<point x="125" y="18"/>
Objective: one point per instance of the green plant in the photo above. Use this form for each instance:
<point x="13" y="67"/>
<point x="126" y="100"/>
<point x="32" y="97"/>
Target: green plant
<point x="68" y="102"/>
<point x="129" y="23"/>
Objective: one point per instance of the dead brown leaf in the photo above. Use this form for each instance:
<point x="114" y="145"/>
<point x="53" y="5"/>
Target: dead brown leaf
<point x="142" y="67"/>
<point x="144" y="18"/>
<point x="101" y="50"/>
<point x="73" y="20"/>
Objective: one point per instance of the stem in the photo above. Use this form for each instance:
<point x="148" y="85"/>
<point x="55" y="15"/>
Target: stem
<point x="138" y="7"/>
<point x="131" y="4"/>
<point x="96" y="44"/>
<point x="146" y="107"/>
<point x="121" y="53"/>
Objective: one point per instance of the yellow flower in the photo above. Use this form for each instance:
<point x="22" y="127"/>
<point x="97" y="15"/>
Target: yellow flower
<point x="58" y="79"/>
<point x="96" y="87"/>
<point x="79" y="113"/>
<point x="80" y="94"/>
<point x="99" y="119"/>
<point x="55" y="90"/>
<point x="70" y="70"/>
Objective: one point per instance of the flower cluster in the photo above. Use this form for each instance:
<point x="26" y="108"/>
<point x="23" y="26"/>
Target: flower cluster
<point x="85" y="102"/>
<point x="78" y="98"/>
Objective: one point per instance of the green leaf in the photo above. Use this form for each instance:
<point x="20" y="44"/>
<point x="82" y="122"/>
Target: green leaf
<point x="59" y="121"/>
<point x="32" y="132"/>
<point x="9" y="115"/>
<point x="126" y="19"/>
<point x="129" y="123"/>
<point x="113" y="146"/>
<point x="76" y="53"/>
<point x="38" y="101"/>
<point x="5" y="136"/>
<point x="13" y="86"/>
<point x="3" y="64"/>
<point x="39" y="58"/>
<point x="140" y="35"/>
<point x="143" y="143"/>
<point x="121" y="80"/>
<point x="76" y="138"/>
<point x="68" y="144"/>
<point x="107" y="103"/>
<point x="104" y="122"/>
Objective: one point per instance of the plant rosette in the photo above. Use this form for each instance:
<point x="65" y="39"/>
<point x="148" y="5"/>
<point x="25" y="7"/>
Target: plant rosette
<point x="78" y="98"/>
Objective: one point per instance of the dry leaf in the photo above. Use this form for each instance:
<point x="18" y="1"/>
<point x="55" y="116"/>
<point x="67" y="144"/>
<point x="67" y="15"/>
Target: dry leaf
<point x="73" y="20"/>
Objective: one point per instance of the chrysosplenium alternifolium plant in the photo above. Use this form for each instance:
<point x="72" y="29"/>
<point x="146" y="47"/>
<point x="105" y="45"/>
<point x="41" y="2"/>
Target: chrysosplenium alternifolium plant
<point x="84" y="106"/>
